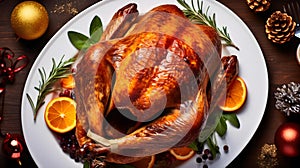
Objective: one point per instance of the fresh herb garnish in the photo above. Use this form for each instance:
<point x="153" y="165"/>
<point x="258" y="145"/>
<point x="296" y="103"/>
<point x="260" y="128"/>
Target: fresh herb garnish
<point x="81" y="41"/>
<point x="194" y="145"/>
<point x="62" y="69"/>
<point x="232" y="118"/>
<point x="220" y="129"/>
<point x="58" y="71"/>
<point x="86" y="164"/>
<point x="212" y="145"/>
<point x="199" y="16"/>
<point x="222" y="125"/>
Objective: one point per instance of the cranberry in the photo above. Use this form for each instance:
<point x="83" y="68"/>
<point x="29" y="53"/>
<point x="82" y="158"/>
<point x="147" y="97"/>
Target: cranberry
<point x="199" y="160"/>
<point x="225" y="148"/>
<point x="206" y="151"/>
<point x="204" y="156"/>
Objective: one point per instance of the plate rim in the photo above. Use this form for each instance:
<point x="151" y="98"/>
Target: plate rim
<point x="81" y="14"/>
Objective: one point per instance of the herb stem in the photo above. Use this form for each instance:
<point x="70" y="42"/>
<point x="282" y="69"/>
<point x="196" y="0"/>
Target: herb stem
<point x="198" y="16"/>
<point x="58" y="71"/>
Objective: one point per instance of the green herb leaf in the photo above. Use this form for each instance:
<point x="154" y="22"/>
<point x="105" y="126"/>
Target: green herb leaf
<point x="211" y="124"/>
<point x="96" y="29"/>
<point x="198" y="16"/>
<point x="221" y="127"/>
<point x="86" y="164"/>
<point x="79" y="40"/>
<point x="232" y="118"/>
<point x="30" y="102"/>
<point x="214" y="148"/>
<point x="58" y="71"/>
<point x="194" y="146"/>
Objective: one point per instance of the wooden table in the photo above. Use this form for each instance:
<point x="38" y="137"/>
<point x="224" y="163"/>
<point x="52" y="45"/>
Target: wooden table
<point x="281" y="63"/>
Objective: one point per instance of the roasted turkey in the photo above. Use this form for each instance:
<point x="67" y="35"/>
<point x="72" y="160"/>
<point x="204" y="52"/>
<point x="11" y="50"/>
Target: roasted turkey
<point x="149" y="84"/>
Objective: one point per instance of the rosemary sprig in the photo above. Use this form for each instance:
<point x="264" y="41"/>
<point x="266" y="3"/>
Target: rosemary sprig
<point x="58" y="71"/>
<point x="62" y="69"/>
<point x="199" y="16"/>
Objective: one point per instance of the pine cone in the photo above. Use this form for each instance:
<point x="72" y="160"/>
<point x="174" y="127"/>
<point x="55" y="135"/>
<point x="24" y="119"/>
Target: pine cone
<point x="280" y="27"/>
<point x="288" y="98"/>
<point x="259" y="5"/>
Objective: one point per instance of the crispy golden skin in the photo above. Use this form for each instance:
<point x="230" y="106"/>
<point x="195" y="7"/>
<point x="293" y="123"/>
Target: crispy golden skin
<point x="160" y="73"/>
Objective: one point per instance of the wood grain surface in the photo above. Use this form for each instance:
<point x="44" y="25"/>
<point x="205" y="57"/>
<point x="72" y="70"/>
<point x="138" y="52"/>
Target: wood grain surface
<point x="280" y="59"/>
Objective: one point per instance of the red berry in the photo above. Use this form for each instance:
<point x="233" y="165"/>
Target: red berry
<point x="225" y="148"/>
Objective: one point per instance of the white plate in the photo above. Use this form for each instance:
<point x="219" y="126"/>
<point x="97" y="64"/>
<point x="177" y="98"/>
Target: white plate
<point x="298" y="54"/>
<point x="41" y="142"/>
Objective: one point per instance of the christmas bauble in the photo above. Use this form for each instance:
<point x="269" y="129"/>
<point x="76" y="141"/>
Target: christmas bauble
<point x="13" y="146"/>
<point x="287" y="139"/>
<point x="29" y="20"/>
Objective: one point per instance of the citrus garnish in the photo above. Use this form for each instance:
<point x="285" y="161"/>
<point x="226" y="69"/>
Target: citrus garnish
<point x="60" y="114"/>
<point x="182" y="153"/>
<point x="147" y="162"/>
<point x="68" y="82"/>
<point x="235" y="96"/>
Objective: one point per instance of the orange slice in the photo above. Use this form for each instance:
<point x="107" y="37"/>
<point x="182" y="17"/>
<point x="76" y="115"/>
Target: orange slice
<point x="147" y="162"/>
<point x="182" y="153"/>
<point x="235" y="96"/>
<point x="68" y="82"/>
<point x="60" y="114"/>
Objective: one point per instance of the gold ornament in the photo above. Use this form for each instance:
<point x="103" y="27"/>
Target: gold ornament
<point x="29" y="20"/>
